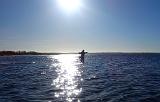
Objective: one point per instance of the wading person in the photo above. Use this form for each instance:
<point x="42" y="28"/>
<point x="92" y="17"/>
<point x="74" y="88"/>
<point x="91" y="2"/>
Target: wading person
<point x="82" y="55"/>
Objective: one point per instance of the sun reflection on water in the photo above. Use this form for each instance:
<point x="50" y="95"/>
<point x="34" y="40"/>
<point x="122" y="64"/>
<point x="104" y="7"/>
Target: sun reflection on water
<point x="69" y="76"/>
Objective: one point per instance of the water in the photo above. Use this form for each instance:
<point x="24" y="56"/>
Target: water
<point x="63" y="78"/>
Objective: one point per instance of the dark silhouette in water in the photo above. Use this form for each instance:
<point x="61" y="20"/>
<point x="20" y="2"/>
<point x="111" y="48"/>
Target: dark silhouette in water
<point x="82" y="55"/>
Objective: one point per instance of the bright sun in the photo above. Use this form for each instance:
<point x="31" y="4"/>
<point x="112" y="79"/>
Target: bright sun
<point x="69" y="5"/>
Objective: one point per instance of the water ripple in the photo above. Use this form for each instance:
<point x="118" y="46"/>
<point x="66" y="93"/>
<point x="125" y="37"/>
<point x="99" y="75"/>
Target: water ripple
<point x="63" y="78"/>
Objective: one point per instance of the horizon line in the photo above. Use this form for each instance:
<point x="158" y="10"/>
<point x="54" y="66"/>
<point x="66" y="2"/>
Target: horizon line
<point x="88" y="52"/>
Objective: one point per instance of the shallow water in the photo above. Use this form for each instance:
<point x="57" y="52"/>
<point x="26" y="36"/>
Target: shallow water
<point x="64" y="78"/>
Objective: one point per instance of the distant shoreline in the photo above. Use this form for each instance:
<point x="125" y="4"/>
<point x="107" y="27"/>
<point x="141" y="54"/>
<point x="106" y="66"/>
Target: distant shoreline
<point x="12" y="53"/>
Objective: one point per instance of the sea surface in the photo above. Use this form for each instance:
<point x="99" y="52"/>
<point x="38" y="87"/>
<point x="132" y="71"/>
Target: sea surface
<point x="103" y="77"/>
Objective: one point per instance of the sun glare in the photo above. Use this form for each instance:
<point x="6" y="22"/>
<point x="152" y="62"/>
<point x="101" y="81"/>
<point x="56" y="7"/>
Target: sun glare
<point x="69" y="5"/>
<point x="68" y="76"/>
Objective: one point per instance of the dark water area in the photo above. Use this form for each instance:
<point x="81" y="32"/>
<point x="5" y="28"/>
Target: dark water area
<point x="109" y="77"/>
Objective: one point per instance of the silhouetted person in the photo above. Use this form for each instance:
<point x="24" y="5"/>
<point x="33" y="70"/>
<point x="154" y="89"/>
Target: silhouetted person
<point x="82" y="55"/>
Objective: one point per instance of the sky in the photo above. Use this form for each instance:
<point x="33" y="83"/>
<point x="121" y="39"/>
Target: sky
<point x="95" y="25"/>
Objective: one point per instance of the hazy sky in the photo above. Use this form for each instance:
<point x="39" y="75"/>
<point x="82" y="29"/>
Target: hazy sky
<point x="96" y="25"/>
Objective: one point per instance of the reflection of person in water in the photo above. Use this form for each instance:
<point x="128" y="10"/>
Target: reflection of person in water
<point x="82" y="55"/>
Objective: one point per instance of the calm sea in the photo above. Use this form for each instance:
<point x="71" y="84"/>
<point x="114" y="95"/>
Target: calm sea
<point x="109" y="77"/>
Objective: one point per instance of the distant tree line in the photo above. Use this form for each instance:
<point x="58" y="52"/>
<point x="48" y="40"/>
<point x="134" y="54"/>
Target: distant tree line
<point x="3" y="53"/>
<point x="10" y="53"/>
